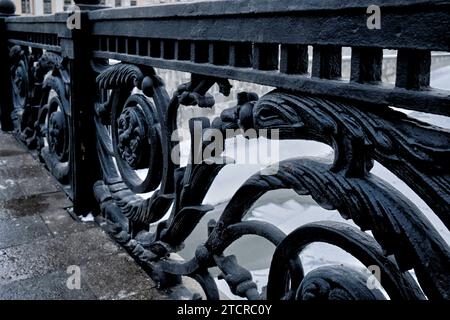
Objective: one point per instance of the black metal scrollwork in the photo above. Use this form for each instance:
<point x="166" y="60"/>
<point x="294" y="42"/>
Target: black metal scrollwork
<point x="40" y="83"/>
<point x="141" y="138"/>
<point x="20" y="79"/>
<point x="152" y="204"/>
<point x="141" y="126"/>
<point x="415" y="151"/>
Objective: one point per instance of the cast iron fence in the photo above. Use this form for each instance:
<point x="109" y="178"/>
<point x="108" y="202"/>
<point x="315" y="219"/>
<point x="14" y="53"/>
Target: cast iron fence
<point x="94" y="124"/>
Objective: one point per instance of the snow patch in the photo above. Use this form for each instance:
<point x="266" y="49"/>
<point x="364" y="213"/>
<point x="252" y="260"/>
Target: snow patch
<point x="88" y="218"/>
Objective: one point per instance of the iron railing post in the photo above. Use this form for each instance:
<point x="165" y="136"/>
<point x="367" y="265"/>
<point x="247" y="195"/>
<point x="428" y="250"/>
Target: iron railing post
<point x="7" y="8"/>
<point x="84" y="163"/>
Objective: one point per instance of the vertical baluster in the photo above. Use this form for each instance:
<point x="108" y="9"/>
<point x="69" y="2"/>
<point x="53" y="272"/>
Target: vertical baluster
<point x="220" y="53"/>
<point x="294" y="59"/>
<point x="176" y="50"/>
<point x="366" y="65"/>
<point x="265" y="56"/>
<point x="149" y="47"/>
<point x="137" y="46"/>
<point x="199" y="51"/>
<point x="126" y="42"/>
<point x="161" y="48"/>
<point x="327" y="62"/>
<point x="211" y="53"/>
<point x="182" y="50"/>
<point x="413" y="69"/>
<point x="241" y="55"/>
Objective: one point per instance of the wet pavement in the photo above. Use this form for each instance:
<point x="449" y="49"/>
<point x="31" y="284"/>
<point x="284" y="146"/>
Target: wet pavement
<point x="42" y="246"/>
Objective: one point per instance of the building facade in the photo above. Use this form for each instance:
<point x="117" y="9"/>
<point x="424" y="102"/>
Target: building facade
<point x="40" y="7"/>
<point x="128" y="3"/>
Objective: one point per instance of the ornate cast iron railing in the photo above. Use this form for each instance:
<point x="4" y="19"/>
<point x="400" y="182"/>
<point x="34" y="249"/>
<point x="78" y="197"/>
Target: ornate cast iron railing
<point x="94" y="124"/>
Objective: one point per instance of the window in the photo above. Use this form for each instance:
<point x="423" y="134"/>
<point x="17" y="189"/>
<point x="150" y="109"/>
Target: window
<point x="67" y="4"/>
<point x="133" y="3"/>
<point x="118" y="3"/>
<point x="47" y="6"/>
<point x="26" y="6"/>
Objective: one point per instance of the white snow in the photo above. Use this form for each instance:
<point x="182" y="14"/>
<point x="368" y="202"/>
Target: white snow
<point x="233" y="176"/>
<point x="88" y="218"/>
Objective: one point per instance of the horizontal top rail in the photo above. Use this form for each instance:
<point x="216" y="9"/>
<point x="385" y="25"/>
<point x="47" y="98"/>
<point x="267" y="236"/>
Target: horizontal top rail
<point x="60" y="17"/>
<point x="415" y="24"/>
<point x="48" y="24"/>
<point x="266" y="42"/>
<point x="405" y="24"/>
<point x="240" y="7"/>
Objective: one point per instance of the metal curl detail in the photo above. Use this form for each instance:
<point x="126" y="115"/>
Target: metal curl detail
<point x="416" y="152"/>
<point x="398" y="226"/>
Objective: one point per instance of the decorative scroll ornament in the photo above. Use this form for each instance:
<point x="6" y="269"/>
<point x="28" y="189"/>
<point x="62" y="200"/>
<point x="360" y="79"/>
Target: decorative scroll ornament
<point x="346" y="185"/>
<point x="20" y="80"/>
<point x="141" y="123"/>
<point x="336" y="283"/>
<point x="418" y="153"/>
<point x="53" y="119"/>
<point x="141" y="127"/>
<point x="132" y="131"/>
<point x="57" y="134"/>
<point x="40" y="84"/>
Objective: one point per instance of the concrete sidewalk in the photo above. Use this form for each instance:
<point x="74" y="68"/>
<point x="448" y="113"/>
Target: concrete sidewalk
<point x="39" y="240"/>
